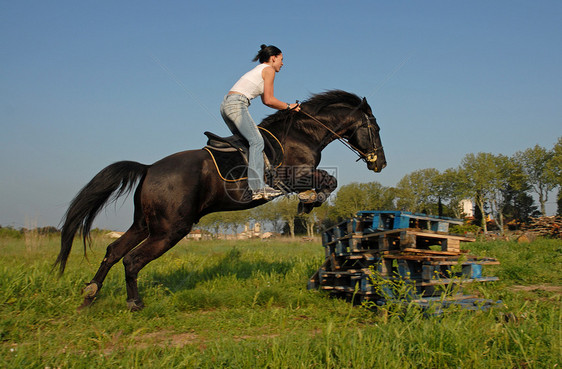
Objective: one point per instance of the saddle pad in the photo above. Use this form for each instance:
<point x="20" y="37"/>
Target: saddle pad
<point x="232" y="164"/>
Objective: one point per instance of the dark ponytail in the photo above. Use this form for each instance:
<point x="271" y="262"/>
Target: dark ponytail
<point x="266" y="52"/>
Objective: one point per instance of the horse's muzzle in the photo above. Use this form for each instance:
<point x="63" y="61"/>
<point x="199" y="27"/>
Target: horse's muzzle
<point x="375" y="162"/>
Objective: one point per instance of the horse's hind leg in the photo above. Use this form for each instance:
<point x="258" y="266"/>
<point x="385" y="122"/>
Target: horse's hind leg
<point x="152" y="248"/>
<point x="115" y="251"/>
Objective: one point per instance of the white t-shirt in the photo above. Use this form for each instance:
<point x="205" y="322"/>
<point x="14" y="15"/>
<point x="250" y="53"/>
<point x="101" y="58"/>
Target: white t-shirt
<point x="251" y="83"/>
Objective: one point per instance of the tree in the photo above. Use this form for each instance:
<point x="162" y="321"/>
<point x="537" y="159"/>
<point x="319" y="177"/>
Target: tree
<point x="268" y="213"/>
<point x="419" y="191"/>
<point x="554" y="166"/>
<point x="233" y="219"/>
<point x="355" y="197"/>
<point x="286" y="209"/>
<point x="325" y="217"/>
<point x="508" y="179"/>
<point x="480" y="178"/>
<point x="554" y="171"/>
<point x="518" y="204"/>
<point x="308" y="221"/>
<point x="534" y="162"/>
<point x="211" y="222"/>
<point x="493" y="180"/>
<point x="514" y="200"/>
<point x="450" y="191"/>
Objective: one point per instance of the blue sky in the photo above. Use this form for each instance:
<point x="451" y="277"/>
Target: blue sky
<point x="85" y="84"/>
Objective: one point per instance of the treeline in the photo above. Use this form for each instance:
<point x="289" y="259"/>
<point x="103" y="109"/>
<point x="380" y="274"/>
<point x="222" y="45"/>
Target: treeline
<point x="19" y="233"/>
<point x="503" y="187"/>
<point x="11" y="232"/>
<point x="500" y="186"/>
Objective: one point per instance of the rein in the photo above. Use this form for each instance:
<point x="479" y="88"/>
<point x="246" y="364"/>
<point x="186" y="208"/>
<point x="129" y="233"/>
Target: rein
<point x="368" y="157"/>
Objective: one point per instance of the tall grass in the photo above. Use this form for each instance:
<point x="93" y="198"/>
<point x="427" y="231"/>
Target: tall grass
<point x="213" y="304"/>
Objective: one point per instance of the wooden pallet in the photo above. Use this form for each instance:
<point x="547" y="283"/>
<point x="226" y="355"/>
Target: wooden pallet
<point x="421" y="271"/>
<point x="385" y="244"/>
<point x="390" y="219"/>
<point x="367" y="222"/>
<point x="400" y="239"/>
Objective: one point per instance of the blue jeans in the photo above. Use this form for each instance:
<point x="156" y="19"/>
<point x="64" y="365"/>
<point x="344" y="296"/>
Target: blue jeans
<point x="234" y="111"/>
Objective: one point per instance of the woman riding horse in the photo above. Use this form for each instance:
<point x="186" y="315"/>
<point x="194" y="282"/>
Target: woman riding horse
<point x="175" y="192"/>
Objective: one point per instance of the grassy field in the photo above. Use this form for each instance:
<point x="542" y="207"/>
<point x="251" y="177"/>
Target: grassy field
<point x="245" y="305"/>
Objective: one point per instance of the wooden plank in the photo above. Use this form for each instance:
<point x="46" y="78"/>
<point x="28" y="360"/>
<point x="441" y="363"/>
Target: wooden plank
<point x="432" y="252"/>
<point x="407" y="240"/>
<point x="347" y="237"/>
<point x="355" y="244"/>
<point x="408" y="257"/>
<point x="461" y="281"/>
<point x="385" y="267"/>
<point x="418" y="232"/>
<point x="384" y="244"/>
<point x="354" y="257"/>
<point x="431" y="234"/>
<point x="448" y="298"/>
<point x="375" y="252"/>
<point x="453" y="262"/>
<point x="451" y="244"/>
<point x="334" y="263"/>
<point x="420" y="255"/>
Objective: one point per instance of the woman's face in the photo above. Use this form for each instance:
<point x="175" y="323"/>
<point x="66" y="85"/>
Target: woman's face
<point x="277" y="62"/>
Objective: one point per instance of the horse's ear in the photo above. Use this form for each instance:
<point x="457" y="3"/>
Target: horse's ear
<point x="363" y="103"/>
<point x="365" y="106"/>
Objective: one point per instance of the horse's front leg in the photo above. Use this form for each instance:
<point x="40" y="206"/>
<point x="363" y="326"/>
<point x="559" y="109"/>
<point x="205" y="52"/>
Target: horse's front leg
<point x="314" y="188"/>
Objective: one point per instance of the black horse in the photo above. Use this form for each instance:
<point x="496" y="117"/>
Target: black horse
<point x="175" y="192"/>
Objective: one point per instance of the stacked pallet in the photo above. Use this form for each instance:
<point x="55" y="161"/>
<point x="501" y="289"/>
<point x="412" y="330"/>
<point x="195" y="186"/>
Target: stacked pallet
<point x="395" y="245"/>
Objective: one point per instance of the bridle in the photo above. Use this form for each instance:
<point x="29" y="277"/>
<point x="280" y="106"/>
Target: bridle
<point x="369" y="157"/>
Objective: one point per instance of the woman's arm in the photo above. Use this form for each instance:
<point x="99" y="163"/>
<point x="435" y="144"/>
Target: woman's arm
<point x="268" y="98"/>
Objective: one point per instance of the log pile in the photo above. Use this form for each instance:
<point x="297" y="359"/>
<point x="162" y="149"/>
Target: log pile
<point x="544" y="227"/>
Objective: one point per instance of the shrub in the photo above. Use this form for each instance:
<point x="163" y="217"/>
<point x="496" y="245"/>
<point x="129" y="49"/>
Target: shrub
<point x="464" y="229"/>
<point x="9" y="232"/>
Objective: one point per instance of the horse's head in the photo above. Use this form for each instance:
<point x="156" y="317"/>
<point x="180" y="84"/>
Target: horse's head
<point x="334" y="115"/>
<point x="363" y="135"/>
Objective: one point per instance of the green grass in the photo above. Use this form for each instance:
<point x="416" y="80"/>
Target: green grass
<point x="245" y="305"/>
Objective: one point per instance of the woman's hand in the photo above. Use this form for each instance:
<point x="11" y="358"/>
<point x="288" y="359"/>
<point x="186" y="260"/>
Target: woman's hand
<point x="294" y="107"/>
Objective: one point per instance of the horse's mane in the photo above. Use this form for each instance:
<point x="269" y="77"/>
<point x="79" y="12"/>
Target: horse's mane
<point x="314" y="106"/>
<point x="317" y="102"/>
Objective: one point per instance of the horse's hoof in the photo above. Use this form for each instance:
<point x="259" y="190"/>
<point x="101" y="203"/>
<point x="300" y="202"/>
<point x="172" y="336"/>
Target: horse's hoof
<point x="135" y="305"/>
<point x="90" y="291"/>
<point x="307" y="197"/>
<point x="87" y="302"/>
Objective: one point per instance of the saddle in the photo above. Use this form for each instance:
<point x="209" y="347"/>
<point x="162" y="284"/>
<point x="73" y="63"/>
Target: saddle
<point x="230" y="154"/>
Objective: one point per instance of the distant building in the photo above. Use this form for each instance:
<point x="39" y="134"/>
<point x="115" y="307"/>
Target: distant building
<point x="198" y="234"/>
<point x="467" y="207"/>
<point x="249" y="232"/>
<point x="254" y="231"/>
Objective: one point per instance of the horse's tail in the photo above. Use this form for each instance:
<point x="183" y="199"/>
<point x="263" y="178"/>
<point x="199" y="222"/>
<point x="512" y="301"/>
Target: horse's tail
<point x="109" y="184"/>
